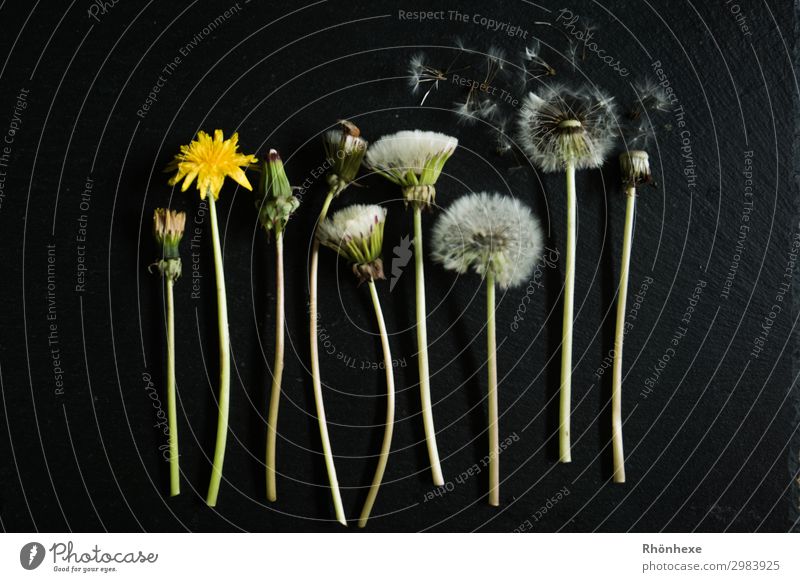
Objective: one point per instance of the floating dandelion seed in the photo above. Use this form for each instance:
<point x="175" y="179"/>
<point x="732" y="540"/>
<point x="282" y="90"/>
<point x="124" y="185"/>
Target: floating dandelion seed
<point x="650" y="96"/>
<point x="498" y="238"/>
<point x="421" y="74"/>
<point x="564" y="130"/>
<point x="533" y="65"/>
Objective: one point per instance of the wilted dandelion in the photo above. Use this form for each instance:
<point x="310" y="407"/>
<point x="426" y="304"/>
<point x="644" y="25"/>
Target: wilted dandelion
<point x="635" y="167"/>
<point x="498" y="238"/>
<point x="356" y="233"/>
<point x="414" y="160"/>
<point x="564" y="130"/>
<point x="344" y="152"/>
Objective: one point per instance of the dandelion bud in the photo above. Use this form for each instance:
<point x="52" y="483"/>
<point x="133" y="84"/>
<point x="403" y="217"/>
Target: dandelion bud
<point x="635" y="167"/>
<point x="344" y="151"/>
<point x="168" y="226"/>
<point x="276" y="203"/>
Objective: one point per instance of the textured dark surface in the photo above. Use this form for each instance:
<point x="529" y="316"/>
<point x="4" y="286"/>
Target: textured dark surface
<point x="710" y="449"/>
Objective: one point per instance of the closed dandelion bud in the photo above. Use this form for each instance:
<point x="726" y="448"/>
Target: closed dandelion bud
<point x="276" y="203"/>
<point x="168" y="226"/>
<point x="344" y="151"/>
<point x="414" y="160"/>
<point x="635" y="167"/>
<point x="356" y="233"/>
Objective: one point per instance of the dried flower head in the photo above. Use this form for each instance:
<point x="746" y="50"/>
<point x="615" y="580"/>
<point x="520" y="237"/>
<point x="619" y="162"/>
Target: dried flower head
<point x="210" y="161"/>
<point x="168" y="226"/>
<point x="412" y="159"/>
<point x="356" y="233"/>
<point x="275" y="202"/>
<point x="491" y="234"/>
<point x="563" y="125"/>
<point x="344" y="151"/>
<point x="635" y="167"/>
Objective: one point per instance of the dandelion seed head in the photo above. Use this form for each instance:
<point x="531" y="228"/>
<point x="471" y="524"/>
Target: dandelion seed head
<point x="488" y="233"/>
<point x="356" y="233"/>
<point x="561" y="125"/>
<point x="411" y="158"/>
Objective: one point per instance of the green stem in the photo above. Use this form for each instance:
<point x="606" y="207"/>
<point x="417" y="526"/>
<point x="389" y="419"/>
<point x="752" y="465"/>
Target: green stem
<point x="172" y="411"/>
<point x="565" y="455"/>
<point x="315" y="374"/>
<point x="383" y="458"/>
<point x="494" y="417"/>
<point x="224" y="361"/>
<point x="277" y="369"/>
<point x="422" y="349"/>
<point x="616" y="387"/>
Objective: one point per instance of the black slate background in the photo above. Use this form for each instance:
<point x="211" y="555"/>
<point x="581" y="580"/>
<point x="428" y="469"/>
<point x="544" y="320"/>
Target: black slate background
<point x="712" y="449"/>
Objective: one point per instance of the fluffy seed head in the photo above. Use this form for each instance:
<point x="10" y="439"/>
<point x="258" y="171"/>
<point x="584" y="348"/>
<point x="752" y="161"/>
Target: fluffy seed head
<point x="560" y="125"/>
<point x="356" y="233"/>
<point x="411" y="158"/>
<point x="488" y="233"/>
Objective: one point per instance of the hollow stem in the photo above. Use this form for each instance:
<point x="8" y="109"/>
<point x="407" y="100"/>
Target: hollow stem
<point x="172" y="411"/>
<point x="383" y="458"/>
<point x="616" y="386"/>
<point x="422" y="349"/>
<point x="565" y="455"/>
<point x="494" y="417"/>
<point x="316" y="380"/>
<point x="224" y="360"/>
<point x="277" y="369"/>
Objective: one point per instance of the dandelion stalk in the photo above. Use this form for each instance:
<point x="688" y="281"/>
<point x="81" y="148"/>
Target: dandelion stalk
<point x="494" y="419"/>
<point x="277" y="370"/>
<point x="422" y="356"/>
<point x="383" y="458"/>
<point x="635" y="166"/>
<point x="209" y="161"/>
<point x="168" y="226"/>
<point x="172" y="408"/>
<point x="356" y="233"/>
<point x="224" y="362"/>
<point x="344" y="151"/>
<point x="414" y="160"/>
<point x="498" y="238"/>
<point x="565" y="455"/>
<point x="275" y="205"/>
<point x="564" y="130"/>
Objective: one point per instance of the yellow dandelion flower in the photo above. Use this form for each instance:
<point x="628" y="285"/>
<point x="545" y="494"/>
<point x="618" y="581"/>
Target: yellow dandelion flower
<point x="210" y="160"/>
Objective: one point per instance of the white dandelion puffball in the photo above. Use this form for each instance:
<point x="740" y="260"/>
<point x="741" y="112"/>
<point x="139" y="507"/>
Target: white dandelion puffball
<point x="411" y="158"/>
<point x="355" y="232"/>
<point x="489" y="233"/>
<point x="561" y="125"/>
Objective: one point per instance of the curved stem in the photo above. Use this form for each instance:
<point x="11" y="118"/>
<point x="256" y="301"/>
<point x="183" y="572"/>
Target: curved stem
<point x="316" y="380"/>
<point x="494" y="417"/>
<point x="616" y="387"/>
<point x="383" y="458"/>
<point x="277" y="369"/>
<point x="565" y="455"/>
<point x="422" y="349"/>
<point x="172" y="412"/>
<point x="224" y="361"/>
